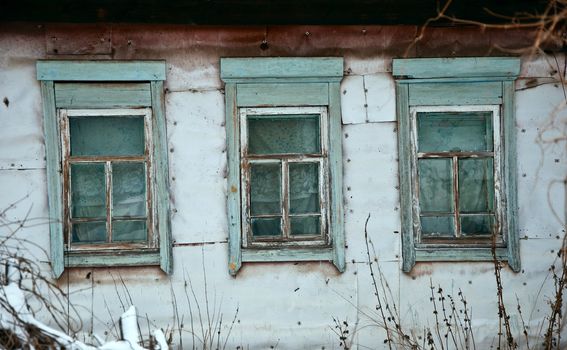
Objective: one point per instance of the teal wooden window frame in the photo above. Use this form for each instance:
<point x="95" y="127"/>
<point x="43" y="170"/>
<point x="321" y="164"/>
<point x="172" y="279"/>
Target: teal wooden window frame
<point x="105" y="85"/>
<point x="283" y="83"/>
<point x="448" y="84"/>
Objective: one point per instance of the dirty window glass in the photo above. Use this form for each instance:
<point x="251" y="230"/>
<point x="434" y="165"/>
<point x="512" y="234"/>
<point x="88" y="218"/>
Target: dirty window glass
<point x="106" y="136"/>
<point x="454" y="131"/>
<point x="455" y="174"/>
<point x="108" y="175"/>
<point x="283" y="134"/>
<point x="285" y="154"/>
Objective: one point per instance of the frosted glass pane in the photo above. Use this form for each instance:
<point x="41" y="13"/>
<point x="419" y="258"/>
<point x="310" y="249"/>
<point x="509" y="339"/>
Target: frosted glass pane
<point x="476" y="185"/>
<point x="454" y="131"/>
<point x="265" y="188"/>
<point x="88" y="190"/>
<point x="266" y="227"/>
<point x="477" y="224"/>
<point x="305" y="225"/>
<point x="129" y="231"/>
<point x="435" y="185"/>
<point x="88" y="232"/>
<point x="303" y="188"/>
<point x="284" y="134"/>
<point x="437" y="226"/>
<point x="128" y="189"/>
<point x="107" y="136"/>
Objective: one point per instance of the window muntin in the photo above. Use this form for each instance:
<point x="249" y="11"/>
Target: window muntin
<point x="107" y="163"/>
<point x="455" y="152"/>
<point x="284" y="182"/>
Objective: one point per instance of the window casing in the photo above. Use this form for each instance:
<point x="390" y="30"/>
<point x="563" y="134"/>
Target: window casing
<point x="283" y="127"/>
<point x="457" y="159"/>
<point x="106" y="152"/>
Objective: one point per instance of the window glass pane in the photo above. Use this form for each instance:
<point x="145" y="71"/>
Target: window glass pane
<point x="107" y="136"/>
<point x="88" y="232"/>
<point x="305" y="225"/>
<point x="435" y="185"/>
<point x="476" y="185"/>
<point x="129" y="230"/>
<point x="88" y="190"/>
<point x="477" y="224"/>
<point x="266" y="227"/>
<point x="284" y="134"/>
<point x="454" y="131"/>
<point x="128" y="189"/>
<point x="303" y="188"/>
<point x="265" y="188"/>
<point x="437" y="226"/>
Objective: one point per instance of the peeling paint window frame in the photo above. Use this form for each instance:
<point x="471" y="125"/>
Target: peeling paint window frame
<point x="110" y="87"/>
<point x="281" y="83"/>
<point x="453" y="84"/>
<point x="107" y="161"/>
<point x="323" y="240"/>
<point x="455" y="157"/>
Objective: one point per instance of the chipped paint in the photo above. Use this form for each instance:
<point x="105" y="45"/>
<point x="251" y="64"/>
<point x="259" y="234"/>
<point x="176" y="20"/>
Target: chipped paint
<point x="309" y="294"/>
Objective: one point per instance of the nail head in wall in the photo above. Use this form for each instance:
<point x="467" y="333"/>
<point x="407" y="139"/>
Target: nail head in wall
<point x="6" y="101"/>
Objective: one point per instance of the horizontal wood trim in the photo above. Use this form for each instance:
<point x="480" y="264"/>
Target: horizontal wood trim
<point x="100" y="70"/>
<point x="459" y="254"/>
<point x="241" y="69"/>
<point x="307" y="254"/>
<point x="291" y="94"/>
<point x="102" y="95"/>
<point x="440" y="94"/>
<point x="132" y="258"/>
<point x="415" y="68"/>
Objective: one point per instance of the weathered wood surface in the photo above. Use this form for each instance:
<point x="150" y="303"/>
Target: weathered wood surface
<point x="161" y="179"/>
<point x="427" y="68"/>
<point x="443" y="94"/>
<point x="281" y="67"/>
<point x="100" y="70"/>
<point x="102" y="95"/>
<point x="290" y="94"/>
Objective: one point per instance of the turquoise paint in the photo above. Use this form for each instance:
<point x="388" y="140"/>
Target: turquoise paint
<point x="262" y="82"/>
<point x="105" y="95"/>
<point x="63" y="70"/>
<point x="102" y="95"/>
<point x="472" y="67"/>
<point x="54" y="183"/>
<point x="455" y="82"/>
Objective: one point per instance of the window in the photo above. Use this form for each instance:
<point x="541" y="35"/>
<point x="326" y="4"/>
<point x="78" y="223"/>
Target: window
<point x="285" y="160"/>
<point x="106" y="163"/>
<point x="457" y="168"/>
<point x="284" y="185"/>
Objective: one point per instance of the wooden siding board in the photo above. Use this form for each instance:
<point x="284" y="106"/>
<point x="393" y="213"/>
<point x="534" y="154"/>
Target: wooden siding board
<point x="511" y="174"/>
<point x="100" y="70"/>
<point x="336" y="177"/>
<point x="161" y="177"/>
<point x="311" y="254"/>
<point x="460" y="254"/>
<point x="406" y="203"/>
<point x="112" y="259"/>
<point x="416" y="68"/>
<point x="280" y="67"/>
<point x="54" y="185"/>
<point x="102" y="95"/>
<point x="233" y="194"/>
<point x="289" y="94"/>
<point x="440" y="94"/>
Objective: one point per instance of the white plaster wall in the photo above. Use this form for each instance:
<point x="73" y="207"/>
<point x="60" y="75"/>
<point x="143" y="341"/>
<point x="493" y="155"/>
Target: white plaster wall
<point x="283" y="305"/>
